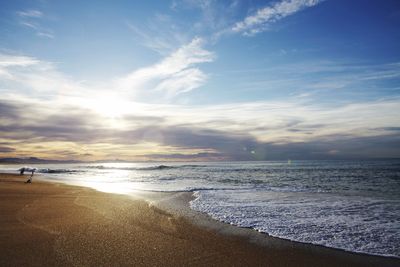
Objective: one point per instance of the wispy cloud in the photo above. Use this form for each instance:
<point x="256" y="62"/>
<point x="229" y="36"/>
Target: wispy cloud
<point x="30" y="13"/>
<point x="164" y="32"/>
<point x="31" y="19"/>
<point x="160" y="33"/>
<point x="12" y="60"/>
<point x="173" y="75"/>
<point x="47" y="34"/>
<point x="321" y="79"/>
<point x="31" y="76"/>
<point x="7" y="62"/>
<point x="258" y="21"/>
<point x="215" y="17"/>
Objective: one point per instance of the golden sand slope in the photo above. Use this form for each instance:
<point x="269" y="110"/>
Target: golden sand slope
<point x="45" y="224"/>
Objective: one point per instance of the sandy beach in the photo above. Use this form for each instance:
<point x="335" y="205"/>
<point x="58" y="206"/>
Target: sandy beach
<point x="50" y="224"/>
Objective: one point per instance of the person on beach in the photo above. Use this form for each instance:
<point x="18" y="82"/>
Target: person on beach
<point x="30" y="177"/>
<point x="22" y="170"/>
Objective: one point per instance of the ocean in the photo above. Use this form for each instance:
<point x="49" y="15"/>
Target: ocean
<point x="349" y="205"/>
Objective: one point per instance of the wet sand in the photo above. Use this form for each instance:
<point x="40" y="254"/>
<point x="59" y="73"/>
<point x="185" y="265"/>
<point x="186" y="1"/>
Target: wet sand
<point x="49" y="224"/>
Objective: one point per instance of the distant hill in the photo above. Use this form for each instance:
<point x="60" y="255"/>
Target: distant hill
<point x="34" y="160"/>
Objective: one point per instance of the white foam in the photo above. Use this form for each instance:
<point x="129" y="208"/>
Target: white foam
<point x="356" y="224"/>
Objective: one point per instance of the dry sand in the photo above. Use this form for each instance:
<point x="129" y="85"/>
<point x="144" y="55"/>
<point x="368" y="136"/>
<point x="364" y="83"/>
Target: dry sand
<point x="46" y="224"/>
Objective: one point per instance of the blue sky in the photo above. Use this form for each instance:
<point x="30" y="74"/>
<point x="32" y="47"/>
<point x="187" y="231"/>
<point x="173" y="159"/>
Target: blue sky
<point x="200" y="79"/>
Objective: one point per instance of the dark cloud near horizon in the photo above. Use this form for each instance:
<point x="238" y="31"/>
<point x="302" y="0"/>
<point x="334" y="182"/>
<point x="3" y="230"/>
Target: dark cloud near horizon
<point x="8" y="110"/>
<point x="374" y="147"/>
<point x="335" y="147"/>
<point x="76" y="125"/>
<point x="197" y="156"/>
<point x="194" y="137"/>
<point x="390" y="129"/>
<point x="6" y="149"/>
<point x="141" y="119"/>
<point x="84" y="127"/>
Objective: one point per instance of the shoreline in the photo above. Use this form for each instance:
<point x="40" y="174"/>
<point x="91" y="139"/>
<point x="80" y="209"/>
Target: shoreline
<point x="93" y="221"/>
<point x="178" y="204"/>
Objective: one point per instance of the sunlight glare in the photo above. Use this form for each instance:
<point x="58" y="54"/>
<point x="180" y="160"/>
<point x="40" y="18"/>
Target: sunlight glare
<point x="109" y="105"/>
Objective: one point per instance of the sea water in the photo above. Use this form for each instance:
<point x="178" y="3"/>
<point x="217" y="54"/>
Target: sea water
<point x="350" y="205"/>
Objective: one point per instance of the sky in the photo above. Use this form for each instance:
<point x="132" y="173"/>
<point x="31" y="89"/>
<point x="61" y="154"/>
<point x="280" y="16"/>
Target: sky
<point x="199" y="80"/>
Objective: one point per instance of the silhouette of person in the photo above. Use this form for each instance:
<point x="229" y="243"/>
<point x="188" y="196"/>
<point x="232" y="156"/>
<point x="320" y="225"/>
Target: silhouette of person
<point x="30" y="178"/>
<point x="22" y="171"/>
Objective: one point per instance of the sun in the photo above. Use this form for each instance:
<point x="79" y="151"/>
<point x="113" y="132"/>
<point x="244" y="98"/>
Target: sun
<point x="109" y="105"/>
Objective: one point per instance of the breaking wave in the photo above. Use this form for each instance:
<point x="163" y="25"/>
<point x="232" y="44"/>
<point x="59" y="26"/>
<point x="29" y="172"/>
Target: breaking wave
<point x="150" y="168"/>
<point x="55" y="171"/>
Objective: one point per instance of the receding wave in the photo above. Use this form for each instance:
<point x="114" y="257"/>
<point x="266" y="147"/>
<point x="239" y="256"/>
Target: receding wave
<point x="46" y="170"/>
<point x="149" y="168"/>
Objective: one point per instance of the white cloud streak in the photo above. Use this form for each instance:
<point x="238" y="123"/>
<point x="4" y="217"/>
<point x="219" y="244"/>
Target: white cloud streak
<point x="160" y="34"/>
<point x="30" y="19"/>
<point x="8" y="61"/>
<point x="257" y="22"/>
<point x="30" y="13"/>
<point x="35" y="77"/>
<point x="173" y="75"/>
